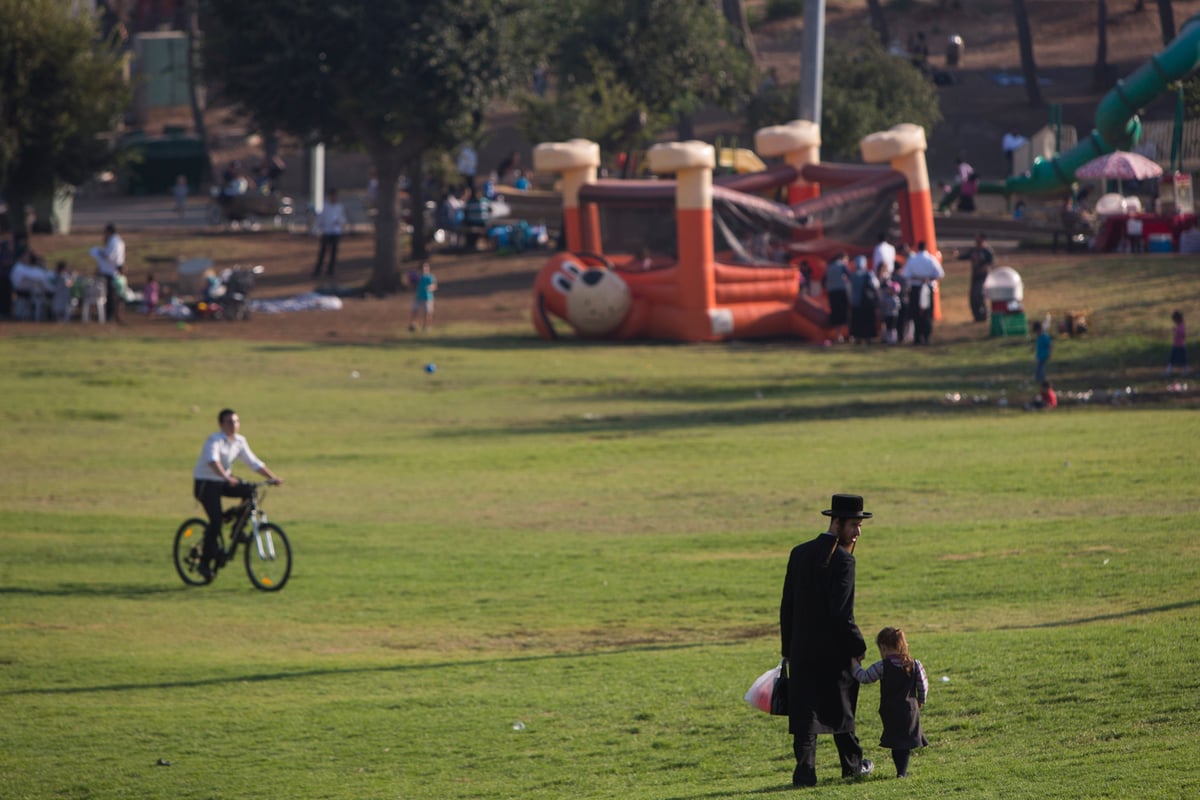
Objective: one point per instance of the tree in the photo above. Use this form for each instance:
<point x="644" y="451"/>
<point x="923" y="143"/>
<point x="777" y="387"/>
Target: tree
<point x="189" y="21"/>
<point x="735" y="14"/>
<point x="1166" y="20"/>
<point x="866" y="89"/>
<point x="1028" y="66"/>
<point x="879" y="21"/>
<point x="61" y="89"/>
<point x="406" y="80"/>
<point x="1100" y="74"/>
<point x="628" y="69"/>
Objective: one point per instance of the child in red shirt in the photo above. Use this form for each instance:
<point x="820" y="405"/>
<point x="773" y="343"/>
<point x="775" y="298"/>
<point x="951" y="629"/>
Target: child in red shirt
<point x="1046" y="398"/>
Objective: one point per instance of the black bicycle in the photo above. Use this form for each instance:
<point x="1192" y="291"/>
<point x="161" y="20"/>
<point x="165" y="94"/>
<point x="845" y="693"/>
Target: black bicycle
<point x="268" y="555"/>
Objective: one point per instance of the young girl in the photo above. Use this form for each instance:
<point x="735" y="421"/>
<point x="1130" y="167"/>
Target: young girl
<point x="150" y="294"/>
<point x="902" y="692"/>
<point x="1178" y="356"/>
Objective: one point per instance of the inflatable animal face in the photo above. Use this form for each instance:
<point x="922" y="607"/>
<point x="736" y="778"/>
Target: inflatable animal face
<point x="596" y="298"/>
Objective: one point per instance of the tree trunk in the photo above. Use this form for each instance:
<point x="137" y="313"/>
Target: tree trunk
<point x="17" y="210"/>
<point x="686" y="127"/>
<point x="1166" y="19"/>
<point x="385" y="272"/>
<point x="735" y="12"/>
<point x="1028" y="67"/>
<point x="1100" y="71"/>
<point x="416" y="209"/>
<point x="194" y="80"/>
<point x="879" y="22"/>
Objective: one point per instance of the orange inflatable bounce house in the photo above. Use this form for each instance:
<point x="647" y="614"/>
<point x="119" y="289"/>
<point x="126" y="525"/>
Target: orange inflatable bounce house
<point x="699" y="258"/>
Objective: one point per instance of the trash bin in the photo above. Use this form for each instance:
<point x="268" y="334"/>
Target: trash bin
<point x="954" y="50"/>
<point x="1005" y="291"/>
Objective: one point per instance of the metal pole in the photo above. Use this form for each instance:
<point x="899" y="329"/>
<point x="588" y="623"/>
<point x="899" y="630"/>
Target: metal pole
<point x="812" y="61"/>
<point x="317" y="176"/>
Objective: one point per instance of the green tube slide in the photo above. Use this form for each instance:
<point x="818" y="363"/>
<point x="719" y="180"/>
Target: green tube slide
<point x="1117" y="123"/>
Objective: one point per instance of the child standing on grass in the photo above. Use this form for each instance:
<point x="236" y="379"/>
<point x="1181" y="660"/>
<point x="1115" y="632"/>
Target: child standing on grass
<point x="903" y="688"/>
<point x="1042" y="351"/>
<point x="422" y="307"/>
<point x="1178" y="356"/>
<point x="150" y="294"/>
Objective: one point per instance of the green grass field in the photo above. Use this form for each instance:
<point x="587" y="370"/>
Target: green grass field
<point x="590" y="541"/>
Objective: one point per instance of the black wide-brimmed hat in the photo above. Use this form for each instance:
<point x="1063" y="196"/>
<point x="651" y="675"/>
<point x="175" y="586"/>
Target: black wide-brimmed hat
<point x="847" y="506"/>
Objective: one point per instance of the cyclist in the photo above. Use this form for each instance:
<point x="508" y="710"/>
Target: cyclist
<point x="213" y="479"/>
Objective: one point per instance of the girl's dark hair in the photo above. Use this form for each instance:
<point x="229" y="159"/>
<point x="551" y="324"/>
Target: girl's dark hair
<point x="894" y="639"/>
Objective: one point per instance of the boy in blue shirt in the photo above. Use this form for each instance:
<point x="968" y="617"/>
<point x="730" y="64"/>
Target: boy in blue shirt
<point x="425" y="286"/>
<point x="1042" y="351"/>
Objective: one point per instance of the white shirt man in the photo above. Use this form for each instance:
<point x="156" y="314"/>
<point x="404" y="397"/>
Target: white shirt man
<point x="112" y="255"/>
<point x="883" y="260"/>
<point x="109" y="259"/>
<point x="922" y="267"/>
<point x="213" y="479"/>
<point x="332" y="219"/>
<point x="920" y="271"/>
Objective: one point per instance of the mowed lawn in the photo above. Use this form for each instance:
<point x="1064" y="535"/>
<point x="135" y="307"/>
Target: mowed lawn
<point x="552" y="571"/>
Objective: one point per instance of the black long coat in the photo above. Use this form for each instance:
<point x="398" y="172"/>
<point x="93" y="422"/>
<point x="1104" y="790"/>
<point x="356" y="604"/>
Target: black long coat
<point x="816" y="621"/>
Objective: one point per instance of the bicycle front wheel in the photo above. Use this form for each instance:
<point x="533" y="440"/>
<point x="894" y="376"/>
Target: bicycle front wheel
<point x="189" y="550"/>
<point x="268" y="558"/>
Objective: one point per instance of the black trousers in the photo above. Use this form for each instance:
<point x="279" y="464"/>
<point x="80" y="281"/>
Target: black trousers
<point x="111" y="299"/>
<point x="329" y="243"/>
<point x="979" y="309"/>
<point x="922" y="317"/>
<point x="805" y="747"/>
<point x="209" y="493"/>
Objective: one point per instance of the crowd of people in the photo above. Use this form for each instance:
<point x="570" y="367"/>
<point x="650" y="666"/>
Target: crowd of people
<point x="31" y="291"/>
<point x="889" y="296"/>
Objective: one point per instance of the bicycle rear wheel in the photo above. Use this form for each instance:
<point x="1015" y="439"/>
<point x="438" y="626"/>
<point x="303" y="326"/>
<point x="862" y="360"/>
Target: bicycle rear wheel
<point x="268" y="558"/>
<point x="189" y="550"/>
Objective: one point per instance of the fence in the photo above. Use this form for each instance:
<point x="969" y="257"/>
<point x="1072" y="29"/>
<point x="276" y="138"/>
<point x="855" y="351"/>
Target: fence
<point x="1156" y="143"/>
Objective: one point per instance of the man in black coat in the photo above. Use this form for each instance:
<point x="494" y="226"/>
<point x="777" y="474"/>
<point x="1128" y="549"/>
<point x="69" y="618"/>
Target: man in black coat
<point x="816" y="620"/>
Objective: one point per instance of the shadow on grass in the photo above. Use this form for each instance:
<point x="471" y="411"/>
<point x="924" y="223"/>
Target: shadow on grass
<point x="1140" y="612"/>
<point x="89" y="590"/>
<point x="321" y="673"/>
<point x="784" y="787"/>
<point x="489" y="342"/>
<point x="774" y="413"/>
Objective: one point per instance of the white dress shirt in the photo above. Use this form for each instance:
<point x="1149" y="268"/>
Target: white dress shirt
<point x="225" y="451"/>
<point x="885" y="255"/>
<point x="111" y="256"/>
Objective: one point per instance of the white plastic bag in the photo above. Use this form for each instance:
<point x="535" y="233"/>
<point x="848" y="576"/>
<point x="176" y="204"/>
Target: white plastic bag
<point x="759" y="693"/>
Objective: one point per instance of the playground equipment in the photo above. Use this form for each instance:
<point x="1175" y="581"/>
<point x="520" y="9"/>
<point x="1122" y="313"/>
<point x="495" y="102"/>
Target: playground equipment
<point x="704" y="259"/>
<point x="1117" y="126"/>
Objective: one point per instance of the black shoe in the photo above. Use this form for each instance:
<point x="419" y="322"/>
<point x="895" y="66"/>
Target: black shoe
<point x="864" y="769"/>
<point x="206" y="572"/>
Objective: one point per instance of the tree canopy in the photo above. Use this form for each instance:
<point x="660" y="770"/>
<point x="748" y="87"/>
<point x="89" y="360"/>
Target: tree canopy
<point x="404" y="79"/>
<point x="626" y="69"/>
<point x="61" y="89"/>
<point x="866" y="90"/>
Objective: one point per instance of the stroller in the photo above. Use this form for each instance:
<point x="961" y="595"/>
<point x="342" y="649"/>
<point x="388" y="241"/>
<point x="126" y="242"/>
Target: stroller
<point x="227" y="296"/>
